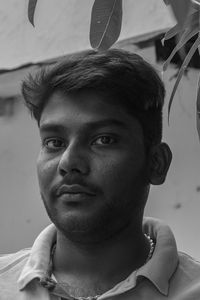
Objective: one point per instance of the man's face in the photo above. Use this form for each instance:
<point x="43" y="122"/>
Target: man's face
<point x="91" y="166"/>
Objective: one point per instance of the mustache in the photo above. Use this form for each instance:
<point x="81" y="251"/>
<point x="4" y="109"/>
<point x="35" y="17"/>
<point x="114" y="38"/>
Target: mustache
<point x="74" y="181"/>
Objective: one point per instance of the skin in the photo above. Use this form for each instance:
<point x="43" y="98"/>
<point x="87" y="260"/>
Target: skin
<point x="98" y="145"/>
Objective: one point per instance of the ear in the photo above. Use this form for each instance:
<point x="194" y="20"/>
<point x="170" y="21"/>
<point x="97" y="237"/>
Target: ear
<point x="160" y="157"/>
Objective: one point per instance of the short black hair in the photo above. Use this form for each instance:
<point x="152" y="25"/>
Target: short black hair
<point x="123" y="77"/>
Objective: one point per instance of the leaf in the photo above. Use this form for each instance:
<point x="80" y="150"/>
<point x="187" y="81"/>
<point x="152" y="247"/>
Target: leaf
<point x="105" y="26"/>
<point x="180" y="9"/>
<point x="172" y="32"/>
<point x="182" y="41"/>
<point x="195" y="3"/>
<point x="181" y="71"/>
<point x="198" y="108"/>
<point x="31" y="10"/>
<point x="190" y="28"/>
<point x="191" y="21"/>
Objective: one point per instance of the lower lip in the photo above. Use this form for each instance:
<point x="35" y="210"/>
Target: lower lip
<point x="75" y="197"/>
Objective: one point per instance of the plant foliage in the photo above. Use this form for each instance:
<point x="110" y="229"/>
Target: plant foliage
<point x="187" y="13"/>
<point x="31" y="10"/>
<point x="105" y="26"/>
<point x="198" y="108"/>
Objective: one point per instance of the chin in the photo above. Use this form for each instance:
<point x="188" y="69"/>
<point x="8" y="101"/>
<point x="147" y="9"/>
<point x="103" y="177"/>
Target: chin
<point x="94" y="224"/>
<point x="89" y="229"/>
<point x="83" y="228"/>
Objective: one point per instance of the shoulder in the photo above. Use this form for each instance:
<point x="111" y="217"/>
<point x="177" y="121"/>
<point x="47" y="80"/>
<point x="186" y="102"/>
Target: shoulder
<point x="9" y="261"/>
<point x="188" y="265"/>
<point x="11" y="266"/>
<point x="185" y="282"/>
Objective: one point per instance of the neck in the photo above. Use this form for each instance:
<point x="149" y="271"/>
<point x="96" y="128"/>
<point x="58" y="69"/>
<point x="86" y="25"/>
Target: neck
<point x="109" y="261"/>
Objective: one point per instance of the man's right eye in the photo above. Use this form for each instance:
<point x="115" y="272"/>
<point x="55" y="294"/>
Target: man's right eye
<point x="53" y="144"/>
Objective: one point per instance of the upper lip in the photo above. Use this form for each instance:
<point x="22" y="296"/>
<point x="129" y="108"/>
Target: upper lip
<point x="73" y="189"/>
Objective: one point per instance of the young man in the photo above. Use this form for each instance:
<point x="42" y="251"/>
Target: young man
<point x="100" y="122"/>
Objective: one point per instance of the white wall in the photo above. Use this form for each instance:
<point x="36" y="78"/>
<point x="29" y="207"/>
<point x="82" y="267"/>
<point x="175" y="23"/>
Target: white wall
<point x="178" y="200"/>
<point x="21" y="212"/>
<point x="62" y="27"/>
<point x="22" y="215"/>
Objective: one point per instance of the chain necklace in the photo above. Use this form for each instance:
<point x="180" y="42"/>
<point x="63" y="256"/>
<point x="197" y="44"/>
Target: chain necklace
<point x="58" y="288"/>
<point x="152" y="247"/>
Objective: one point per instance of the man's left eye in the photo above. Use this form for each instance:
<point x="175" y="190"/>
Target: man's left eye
<point x="104" y="140"/>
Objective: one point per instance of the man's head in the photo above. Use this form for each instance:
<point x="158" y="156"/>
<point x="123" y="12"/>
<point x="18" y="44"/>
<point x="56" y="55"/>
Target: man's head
<point x="100" y="119"/>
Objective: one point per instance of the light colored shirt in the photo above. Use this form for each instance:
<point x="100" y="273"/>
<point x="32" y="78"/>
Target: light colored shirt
<point x="167" y="275"/>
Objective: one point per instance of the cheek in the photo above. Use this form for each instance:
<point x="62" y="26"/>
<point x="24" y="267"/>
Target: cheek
<point x="120" y="170"/>
<point x="46" y="170"/>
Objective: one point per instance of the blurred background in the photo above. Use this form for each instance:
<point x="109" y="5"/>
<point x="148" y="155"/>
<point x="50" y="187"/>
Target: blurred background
<point x="62" y="28"/>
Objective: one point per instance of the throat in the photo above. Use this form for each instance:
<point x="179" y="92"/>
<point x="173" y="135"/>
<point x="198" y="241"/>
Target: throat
<point x="82" y="288"/>
<point x="82" y="273"/>
<point x="90" y="287"/>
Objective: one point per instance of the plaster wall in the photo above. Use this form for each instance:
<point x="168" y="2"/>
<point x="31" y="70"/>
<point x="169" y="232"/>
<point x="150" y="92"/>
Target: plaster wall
<point x="62" y="27"/>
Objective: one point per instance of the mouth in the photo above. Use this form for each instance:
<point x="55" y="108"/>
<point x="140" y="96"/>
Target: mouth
<point x="75" y="196"/>
<point x="75" y="193"/>
<point x="74" y="189"/>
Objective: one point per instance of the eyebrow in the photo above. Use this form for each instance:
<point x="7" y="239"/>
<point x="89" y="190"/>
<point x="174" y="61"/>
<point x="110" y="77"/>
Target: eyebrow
<point x="51" y="126"/>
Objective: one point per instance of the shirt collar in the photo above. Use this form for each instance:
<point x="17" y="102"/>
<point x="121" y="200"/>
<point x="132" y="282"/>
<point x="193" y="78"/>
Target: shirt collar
<point x="164" y="261"/>
<point x="158" y="270"/>
<point x="38" y="261"/>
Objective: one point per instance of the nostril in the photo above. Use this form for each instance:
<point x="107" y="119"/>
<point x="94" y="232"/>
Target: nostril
<point x="63" y="172"/>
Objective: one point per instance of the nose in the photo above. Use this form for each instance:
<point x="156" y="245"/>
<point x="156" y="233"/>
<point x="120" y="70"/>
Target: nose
<point x="74" y="160"/>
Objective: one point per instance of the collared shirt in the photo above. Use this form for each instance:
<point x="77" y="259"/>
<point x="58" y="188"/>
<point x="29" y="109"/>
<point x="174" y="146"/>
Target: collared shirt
<point x="167" y="275"/>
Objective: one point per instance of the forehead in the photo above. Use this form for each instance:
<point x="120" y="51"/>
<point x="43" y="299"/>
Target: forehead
<point x="85" y="108"/>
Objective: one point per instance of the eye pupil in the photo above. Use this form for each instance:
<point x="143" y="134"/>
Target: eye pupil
<point x="105" y="139"/>
<point x="57" y="143"/>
